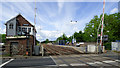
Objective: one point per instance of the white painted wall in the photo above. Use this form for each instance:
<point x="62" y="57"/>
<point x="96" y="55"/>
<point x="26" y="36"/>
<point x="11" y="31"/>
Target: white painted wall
<point x="91" y="48"/>
<point x="115" y="46"/>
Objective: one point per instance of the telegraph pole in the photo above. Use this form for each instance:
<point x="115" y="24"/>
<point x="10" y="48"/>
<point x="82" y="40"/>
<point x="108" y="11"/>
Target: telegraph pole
<point x="35" y="23"/>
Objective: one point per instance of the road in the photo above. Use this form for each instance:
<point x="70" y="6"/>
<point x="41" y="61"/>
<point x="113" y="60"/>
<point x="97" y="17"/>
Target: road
<point x="67" y="61"/>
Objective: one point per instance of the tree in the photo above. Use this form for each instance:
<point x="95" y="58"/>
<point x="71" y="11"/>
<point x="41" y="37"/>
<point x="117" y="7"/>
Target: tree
<point x="63" y="37"/>
<point x="91" y="30"/>
<point x="2" y="38"/>
<point x="111" y="28"/>
<point x="79" y="36"/>
<point x="37" y="42"/>
<point x="70" y="38"/>
<point x="47" y="41"/>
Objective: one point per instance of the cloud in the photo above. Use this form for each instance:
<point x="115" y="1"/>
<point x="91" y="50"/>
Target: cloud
<point x="53" y="18"/>
<point x="46" y="34"/>
<point x="73" y="22"/>
<point x="114" y="10"/>
<point x="2" y="31"/>
<point x="0" y="11"/>
<point x="60" y="5"/>
<point x="59" y="0"/>
<point x="10" y="10"/>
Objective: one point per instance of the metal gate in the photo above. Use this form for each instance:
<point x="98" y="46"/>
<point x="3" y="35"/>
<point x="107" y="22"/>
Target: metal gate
<point x="16" y="49"/>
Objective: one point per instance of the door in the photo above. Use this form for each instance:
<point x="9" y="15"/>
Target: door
<point x="14" y="48"/>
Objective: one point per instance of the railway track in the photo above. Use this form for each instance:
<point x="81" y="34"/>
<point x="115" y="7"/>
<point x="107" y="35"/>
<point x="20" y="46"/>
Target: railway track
<point x="59" y="50"/>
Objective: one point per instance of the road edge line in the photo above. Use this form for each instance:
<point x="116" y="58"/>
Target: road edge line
<point x="6" y="62"/>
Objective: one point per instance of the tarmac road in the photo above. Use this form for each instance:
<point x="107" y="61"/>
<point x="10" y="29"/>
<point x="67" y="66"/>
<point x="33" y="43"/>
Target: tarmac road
<point x="31" y="62"/>
<point x="64" y="61"/>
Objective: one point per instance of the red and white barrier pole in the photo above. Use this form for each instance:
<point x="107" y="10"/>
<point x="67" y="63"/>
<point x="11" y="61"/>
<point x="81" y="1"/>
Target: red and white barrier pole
<point x="102" y="27"/>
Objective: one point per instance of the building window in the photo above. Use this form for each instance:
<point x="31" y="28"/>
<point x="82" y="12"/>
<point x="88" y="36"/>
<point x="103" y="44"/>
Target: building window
<point x="23" y="29"/>
<point x="29" y="29"/>
<point x="19" y="29"/>
<point x="11" y="26"/>
<point x="25" y="24"/>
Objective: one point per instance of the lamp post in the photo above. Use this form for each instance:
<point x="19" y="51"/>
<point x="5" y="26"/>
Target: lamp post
<point x="73" y="22"/>
<point x="58" y="36"/>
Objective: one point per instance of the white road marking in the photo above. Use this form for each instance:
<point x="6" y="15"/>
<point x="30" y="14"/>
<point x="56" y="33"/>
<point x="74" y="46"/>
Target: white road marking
<point x="6" y="62"/>
<point x="53" y="60"/>
<point x="85" y="55"/>
<point x="94" y="55"/>
<point x="91" y="63"/>
<point x="46" y="57"/>
<point x="117" y="60"/>
<point x="63" y="65"/>
<point x="76" y="64"/>
<point x="109" y="61"/>
<point x="98" y="62"/>
<point x="112" y="62"/>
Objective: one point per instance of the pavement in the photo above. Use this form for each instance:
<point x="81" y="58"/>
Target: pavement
<point x="64" y="61"/>
<point x="90" y="60"/>
<point x="111" y="54"/>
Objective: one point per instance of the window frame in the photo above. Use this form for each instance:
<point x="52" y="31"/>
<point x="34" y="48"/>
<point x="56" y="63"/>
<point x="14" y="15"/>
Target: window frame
<point x="11" y="26"/>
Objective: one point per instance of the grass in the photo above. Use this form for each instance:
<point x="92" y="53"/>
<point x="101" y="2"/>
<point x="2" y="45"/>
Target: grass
<point x="117" y="51"/>
<point x="6" y="55"/>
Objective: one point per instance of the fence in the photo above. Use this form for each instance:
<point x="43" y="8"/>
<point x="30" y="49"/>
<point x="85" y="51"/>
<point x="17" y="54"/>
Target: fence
<point x="8" y="50"/>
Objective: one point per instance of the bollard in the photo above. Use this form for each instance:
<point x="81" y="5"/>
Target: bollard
<point x="42" y="50"/>
<point x="103" y="49"/>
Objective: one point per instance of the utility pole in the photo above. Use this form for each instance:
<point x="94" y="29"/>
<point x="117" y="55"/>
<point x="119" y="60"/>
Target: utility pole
<point x="58" y="36"/>
<point x="35" y="23"/>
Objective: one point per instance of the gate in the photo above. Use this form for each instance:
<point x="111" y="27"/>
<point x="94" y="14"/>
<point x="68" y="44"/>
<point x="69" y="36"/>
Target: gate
<point x="16" y="49"/>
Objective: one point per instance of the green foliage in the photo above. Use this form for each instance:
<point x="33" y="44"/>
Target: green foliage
<point x="63" y="37"/>
<point x="37" y="42"/>
<point x="111" y="28"/>
<point x="2" y="38"/>
<point x="90" y="31"/>
<point x="70" y="38"/>
<point x="107" y="45"/>
<point x="47" y="41"/>
<point x="79" y="36"/>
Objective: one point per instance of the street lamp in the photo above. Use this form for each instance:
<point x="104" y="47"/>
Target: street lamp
<point x="73" y="22"/>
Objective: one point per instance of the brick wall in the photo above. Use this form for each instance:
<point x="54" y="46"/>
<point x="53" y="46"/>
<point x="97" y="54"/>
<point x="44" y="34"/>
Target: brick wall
<point x="21" y="42"/>
<point x="22" y="21"/>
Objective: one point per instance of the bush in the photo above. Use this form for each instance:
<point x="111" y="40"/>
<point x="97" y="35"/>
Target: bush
<point x="107" y="45"/>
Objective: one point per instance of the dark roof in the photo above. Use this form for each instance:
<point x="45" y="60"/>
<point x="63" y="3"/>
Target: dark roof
<point x="22" y="17"/>
<point x="12" y="18"/>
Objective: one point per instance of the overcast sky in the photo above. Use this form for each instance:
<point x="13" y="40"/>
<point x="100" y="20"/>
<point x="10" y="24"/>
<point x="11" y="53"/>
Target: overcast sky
<point x="53" y="18"/>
